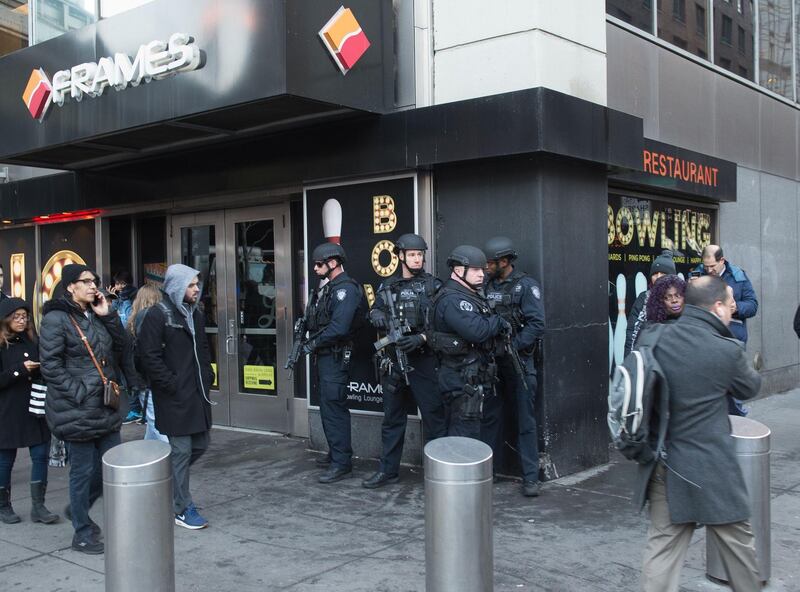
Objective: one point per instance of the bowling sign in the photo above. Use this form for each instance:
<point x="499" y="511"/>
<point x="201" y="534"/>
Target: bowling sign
<point x="638" y="231"/>
<point x="365" y="218"/>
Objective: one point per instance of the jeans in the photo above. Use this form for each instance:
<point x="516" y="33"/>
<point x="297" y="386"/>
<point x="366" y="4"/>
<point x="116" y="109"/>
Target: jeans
<point x="39" y="457"/>
<point x="86" y="478"/>
<point x="185" y="452"/>
<point x="150" y="432"/>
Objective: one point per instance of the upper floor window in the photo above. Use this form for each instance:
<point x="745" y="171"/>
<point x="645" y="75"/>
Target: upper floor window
<point x="13" y="25"/>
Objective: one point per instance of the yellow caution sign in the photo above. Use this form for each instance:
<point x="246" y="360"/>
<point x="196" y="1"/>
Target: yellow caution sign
<point x="216" y="378"/>
<point x="259" y="378"/>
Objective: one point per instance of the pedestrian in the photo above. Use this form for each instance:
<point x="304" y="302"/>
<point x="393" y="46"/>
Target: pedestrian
<point x="516" y="297"/>
<point x="334" y="317"/>
<point x="466" y="334"/>
<point x="146" y="297"/>
<point x="121" y="294"/>
<point x="77" y="330"/>
<point x="412" y="292"/>
<point x="745" y="303"/>
<point x="666" y="301"/>
<point x="173" y="350"/>
<point x="698" y="480"/>
<point x="19" y="427"/>
<point x="662" y="265"/>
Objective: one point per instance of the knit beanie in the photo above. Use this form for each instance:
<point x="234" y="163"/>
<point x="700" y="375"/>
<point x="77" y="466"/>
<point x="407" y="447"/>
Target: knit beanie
<point x="663" y="264"/>
<point x="70" y="274"/>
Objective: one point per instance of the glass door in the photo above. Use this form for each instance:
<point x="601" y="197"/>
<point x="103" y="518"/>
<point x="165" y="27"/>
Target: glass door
<point x="244" y="259"/>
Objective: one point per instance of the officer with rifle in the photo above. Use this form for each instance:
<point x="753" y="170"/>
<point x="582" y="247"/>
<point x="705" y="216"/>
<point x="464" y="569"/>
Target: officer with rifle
<point x="407" y="364"/>
<point x="332" y="319"/>
<point x="466" y="336"/>
<point x="517" y="298"/>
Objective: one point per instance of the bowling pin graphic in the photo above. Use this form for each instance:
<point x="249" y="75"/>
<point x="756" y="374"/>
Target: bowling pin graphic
<point x="621" y="330"/>
<point x="610" y="346"/>
<point x="640" y="283"/>
<point x="332" y="221"/>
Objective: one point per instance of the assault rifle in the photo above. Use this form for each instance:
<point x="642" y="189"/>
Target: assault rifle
<point x="396" y="330"/>
<point x="300" y="328"/>
<point x="511" y="352"/>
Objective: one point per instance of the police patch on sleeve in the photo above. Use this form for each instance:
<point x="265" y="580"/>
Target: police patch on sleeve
<point x="536" y="292"/>
<point x="341" y="294"/>
<point x="464" y="305"/>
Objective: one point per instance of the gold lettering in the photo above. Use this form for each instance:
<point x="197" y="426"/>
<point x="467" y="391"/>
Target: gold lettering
<point x="384" y="218"/>
<point x="381" y="247"/>
<point x="370" y="292"/>
<point x="611" y="233"/>
<point x="624" y="213"/>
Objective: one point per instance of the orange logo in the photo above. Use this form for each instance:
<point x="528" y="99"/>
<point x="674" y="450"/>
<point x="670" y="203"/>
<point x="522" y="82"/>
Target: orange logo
<point x="345" y="40"/>
<point x="37" y="94"/>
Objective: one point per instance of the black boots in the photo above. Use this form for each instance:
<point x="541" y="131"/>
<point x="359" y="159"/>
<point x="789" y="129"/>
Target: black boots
<point x="38" y="511"/>
<point x="7" y="514"/>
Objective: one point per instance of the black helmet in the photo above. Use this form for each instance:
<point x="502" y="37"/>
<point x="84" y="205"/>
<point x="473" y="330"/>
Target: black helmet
<point x="410" y="242"/>
<point x="500" y="246"/>
<point x="327" y="251"/>
<point x="468" y="256"/>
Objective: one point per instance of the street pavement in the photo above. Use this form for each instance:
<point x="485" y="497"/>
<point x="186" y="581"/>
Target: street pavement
<point x="273" y="527"/>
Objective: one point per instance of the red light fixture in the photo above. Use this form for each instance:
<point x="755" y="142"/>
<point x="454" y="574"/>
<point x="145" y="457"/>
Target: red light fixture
<point x="66" y="216"/>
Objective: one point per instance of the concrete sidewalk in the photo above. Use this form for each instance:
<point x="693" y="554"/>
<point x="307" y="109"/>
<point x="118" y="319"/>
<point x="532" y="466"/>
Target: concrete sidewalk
<point x="273" y="527"/>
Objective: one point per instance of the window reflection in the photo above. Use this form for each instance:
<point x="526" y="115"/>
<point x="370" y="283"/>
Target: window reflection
<point x="111" y="7"/>
<point x="733" y="37"/>
<point x="56" y="17"/>
<point x="775" y="46"/>
<point x="13" y="25"/>
<point x="638" y="13"/>
<point x="683" y="24"/>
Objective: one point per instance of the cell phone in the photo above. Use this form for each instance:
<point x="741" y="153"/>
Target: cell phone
<point x="694" y="274"/>
<point x="98" y="299"/>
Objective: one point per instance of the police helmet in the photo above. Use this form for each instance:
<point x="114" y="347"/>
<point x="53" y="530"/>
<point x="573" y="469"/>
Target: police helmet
<point x="468" y="256"/>
<point x="500" y="246"/>
<point x="327" y="251"/>
<point x="410" y="242"/>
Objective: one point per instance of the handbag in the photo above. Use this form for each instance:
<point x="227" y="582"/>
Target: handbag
<point x="36" y="403"/>
<point x="111" y="390"/>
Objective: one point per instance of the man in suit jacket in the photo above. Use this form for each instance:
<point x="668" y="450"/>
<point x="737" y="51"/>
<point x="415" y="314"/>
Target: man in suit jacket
<point x="699" y="480"/>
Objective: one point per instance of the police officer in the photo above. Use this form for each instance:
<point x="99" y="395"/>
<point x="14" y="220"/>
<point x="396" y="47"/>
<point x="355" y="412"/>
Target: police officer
<point x="466" y="335"/>
<point x="412" y="293"/>
<point x="516" y="297"/>
<point x="332" y="320"/>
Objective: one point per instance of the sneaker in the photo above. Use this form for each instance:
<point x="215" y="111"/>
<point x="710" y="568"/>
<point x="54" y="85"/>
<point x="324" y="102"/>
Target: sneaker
<point x="191" y="519"/>
<point x="132" y="417"/>
<point x="88" y="546"/>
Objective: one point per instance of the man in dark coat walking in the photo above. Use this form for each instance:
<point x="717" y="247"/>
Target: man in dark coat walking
<point x="174" y="352"/>
<point x="699" y="480"/>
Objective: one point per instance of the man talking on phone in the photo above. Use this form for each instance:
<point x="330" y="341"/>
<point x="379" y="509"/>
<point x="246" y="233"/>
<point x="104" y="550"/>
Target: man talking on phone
<point x="74" y="407"/>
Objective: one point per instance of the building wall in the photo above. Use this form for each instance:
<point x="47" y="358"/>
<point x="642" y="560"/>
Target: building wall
<point x="689" y="105"/>
<point x="481" y="49"/>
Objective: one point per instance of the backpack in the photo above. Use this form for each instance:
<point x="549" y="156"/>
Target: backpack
<point x="637" y="393"/>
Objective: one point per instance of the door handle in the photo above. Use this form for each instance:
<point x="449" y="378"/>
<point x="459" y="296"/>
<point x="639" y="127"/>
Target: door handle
<point x="230" y="345"/>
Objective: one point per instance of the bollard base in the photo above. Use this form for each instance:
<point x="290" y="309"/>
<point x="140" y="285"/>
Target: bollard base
<point x="717" y="580"/>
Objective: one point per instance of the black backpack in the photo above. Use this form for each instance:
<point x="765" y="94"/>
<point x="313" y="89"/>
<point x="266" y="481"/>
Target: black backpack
<point x="637" y="388"/>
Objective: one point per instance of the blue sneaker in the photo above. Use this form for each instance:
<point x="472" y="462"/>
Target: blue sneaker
<point x="132" y="417"/>
<point x="191" y="519"/>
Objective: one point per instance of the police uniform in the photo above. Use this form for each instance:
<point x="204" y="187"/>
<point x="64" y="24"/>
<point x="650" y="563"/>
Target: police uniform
<point x="466" y="335"/>
<point x="331" y="327"/>
<point x="518" y="299"/>
<point x="413" y="301"/>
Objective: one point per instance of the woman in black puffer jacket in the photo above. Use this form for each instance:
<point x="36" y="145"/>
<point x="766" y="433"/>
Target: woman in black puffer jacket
<point x="75" y="409"/>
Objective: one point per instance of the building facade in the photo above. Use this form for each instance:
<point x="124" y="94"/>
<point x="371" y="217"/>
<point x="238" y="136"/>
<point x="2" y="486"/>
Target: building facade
<point x="235" y="136"/>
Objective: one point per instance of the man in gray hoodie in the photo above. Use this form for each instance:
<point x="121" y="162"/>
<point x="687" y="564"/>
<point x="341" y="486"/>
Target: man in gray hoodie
<point x="174" y="352"/>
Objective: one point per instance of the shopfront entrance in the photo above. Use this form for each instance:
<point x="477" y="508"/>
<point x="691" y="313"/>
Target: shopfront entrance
<point x="244" y="259"/>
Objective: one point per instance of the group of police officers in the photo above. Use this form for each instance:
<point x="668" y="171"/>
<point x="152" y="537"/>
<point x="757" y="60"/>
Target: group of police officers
<point x="462" y="349"/>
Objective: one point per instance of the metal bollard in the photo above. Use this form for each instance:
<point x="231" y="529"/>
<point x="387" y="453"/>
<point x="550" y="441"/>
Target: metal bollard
<point x="752" y="451"/>
<point x="140" y="523"/>
<point x="459" y="554"/>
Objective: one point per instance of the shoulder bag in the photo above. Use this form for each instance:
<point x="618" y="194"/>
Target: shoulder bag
<point x="111" y="390"/>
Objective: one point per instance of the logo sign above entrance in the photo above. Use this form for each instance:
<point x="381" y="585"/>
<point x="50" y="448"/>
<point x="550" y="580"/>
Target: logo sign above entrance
<point x="153" y="61"/>
<point x="344" y="39"/>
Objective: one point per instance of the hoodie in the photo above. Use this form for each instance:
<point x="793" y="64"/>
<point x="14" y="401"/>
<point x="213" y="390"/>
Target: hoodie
<point x="176" y="280"/>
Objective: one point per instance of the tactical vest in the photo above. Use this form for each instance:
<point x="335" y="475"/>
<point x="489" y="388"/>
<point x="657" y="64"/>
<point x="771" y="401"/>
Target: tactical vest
<point x="413" y="300"/>
<point x="453" y="349"/>
<point x="320" y="314"/>
<point x="505" y="299"/>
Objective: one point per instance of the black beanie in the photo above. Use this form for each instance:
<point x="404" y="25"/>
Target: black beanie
<point x="664" y="263"/>
<point x="10" y="305"/>
<point x="70" y="274"/>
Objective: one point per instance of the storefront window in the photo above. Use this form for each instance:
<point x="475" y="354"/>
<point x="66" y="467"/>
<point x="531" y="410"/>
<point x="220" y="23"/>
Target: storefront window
<point x="775" y="46"/>
<point x="55" y="17"/>
<point x="683" y="24"/>
<point x="733" y="37"/>
<point x="13" y="25"/>
<point x="111" y="7"/>
<point x="638" y="13"/>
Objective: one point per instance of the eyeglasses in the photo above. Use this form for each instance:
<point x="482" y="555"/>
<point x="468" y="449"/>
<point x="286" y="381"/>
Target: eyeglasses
<point x="87" y="282"/>
<point x="319" y="263"/>
<point x="20" y="317"/>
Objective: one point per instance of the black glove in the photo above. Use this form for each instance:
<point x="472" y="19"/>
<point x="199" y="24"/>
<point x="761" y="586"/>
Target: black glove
<point x="409" y="343"/>
<point x="505" y="327"/>
<point x="309" y="347"/>
<point x="378" y="319"/>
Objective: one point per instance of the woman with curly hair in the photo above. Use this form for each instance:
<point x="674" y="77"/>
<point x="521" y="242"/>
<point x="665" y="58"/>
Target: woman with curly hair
<point x="666" y="299"/>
